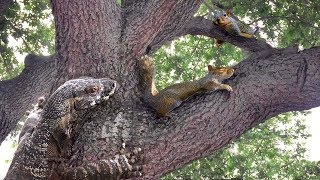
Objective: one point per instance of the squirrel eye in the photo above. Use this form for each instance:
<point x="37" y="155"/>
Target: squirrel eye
<point x="225" y="15"/>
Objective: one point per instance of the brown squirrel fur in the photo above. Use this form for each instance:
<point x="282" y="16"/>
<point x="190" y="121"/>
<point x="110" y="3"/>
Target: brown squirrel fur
<point x="164" y="101"/>
<point x="232" y="26"/>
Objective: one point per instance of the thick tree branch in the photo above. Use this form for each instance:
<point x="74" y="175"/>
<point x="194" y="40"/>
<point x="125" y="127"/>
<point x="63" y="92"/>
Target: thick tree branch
<point x="17" y="94"/>
<point x="205" y="27"/>
<point x="96" y="39"/>
<point x="264" y="85"/>
<point x="202" y="26"/>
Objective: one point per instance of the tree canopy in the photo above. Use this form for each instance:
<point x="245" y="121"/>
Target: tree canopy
<point x="281" y="24"/>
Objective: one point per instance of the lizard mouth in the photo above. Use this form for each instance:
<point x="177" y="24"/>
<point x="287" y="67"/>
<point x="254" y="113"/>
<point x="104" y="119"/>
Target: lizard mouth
<point x="107" y="95"/>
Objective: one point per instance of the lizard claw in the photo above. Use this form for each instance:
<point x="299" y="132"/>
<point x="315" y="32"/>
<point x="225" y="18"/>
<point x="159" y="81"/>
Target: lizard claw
<point x="128" y="163"/>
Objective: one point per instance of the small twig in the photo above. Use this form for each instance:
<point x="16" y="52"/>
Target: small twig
<point x="217" y="4"/>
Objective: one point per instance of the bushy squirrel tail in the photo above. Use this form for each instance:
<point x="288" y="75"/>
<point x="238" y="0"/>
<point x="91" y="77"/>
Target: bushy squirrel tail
<point x="147" y="83"/>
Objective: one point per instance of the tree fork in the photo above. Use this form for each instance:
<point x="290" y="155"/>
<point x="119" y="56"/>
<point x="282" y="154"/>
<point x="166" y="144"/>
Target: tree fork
<point x="266" y="84"/>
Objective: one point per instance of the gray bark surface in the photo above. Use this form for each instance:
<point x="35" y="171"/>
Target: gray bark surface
<point x="104" y="39"/>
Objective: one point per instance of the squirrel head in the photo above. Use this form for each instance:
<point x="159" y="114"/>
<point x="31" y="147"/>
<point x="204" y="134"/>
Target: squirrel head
<point x="222" y="18"/>
<point x="221" y="72"/>
<point x="214" y="77"/>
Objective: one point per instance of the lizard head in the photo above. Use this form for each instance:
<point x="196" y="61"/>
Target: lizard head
<point x="79" y="94"/>
<point x="90" y="92"/>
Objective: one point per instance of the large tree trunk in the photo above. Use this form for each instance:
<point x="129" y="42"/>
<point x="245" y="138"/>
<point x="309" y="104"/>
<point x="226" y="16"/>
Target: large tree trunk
<point x="103" y="39"/>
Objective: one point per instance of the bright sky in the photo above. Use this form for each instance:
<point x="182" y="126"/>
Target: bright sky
<point x="6" y="154"/>
<point x="313" y="144"/>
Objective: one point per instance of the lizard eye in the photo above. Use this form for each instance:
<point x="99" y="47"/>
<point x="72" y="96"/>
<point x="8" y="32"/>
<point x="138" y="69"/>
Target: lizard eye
<point x="92" y="90"/>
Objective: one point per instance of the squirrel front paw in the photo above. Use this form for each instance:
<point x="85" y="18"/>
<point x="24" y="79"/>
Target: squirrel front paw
<point x="226" y="87"/>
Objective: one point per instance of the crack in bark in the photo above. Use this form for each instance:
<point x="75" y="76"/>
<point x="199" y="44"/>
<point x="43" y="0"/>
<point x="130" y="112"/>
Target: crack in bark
<point x="302" y="73"/>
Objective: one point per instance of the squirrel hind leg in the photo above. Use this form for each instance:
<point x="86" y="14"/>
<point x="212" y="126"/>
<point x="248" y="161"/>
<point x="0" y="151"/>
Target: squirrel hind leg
<point x="246" y="35"/>
<point x="167" y="106"/>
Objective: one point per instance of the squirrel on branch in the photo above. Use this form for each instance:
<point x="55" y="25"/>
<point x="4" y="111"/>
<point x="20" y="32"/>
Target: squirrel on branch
<point x="164" y="101"/>
<point x="232" y="26"/>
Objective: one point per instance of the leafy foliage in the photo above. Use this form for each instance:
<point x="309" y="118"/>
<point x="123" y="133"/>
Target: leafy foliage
<point x="261" y="153"/>
<point x="27" y="27"/>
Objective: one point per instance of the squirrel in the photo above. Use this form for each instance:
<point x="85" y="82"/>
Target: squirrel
<point x="164" y="101"/>
<point x="232" y="26"/>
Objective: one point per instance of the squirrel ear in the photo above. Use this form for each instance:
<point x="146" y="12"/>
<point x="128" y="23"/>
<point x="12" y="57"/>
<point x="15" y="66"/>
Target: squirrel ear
<point x="228" y="12"/>
<point x="210" y="68"/>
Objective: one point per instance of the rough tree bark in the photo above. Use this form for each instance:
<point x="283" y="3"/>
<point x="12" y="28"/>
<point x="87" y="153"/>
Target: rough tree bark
<point x="104" y="39"/>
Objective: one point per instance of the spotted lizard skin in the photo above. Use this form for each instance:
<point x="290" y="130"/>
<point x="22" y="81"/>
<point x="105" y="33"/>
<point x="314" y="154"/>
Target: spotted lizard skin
<point x="36" y="156"/>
